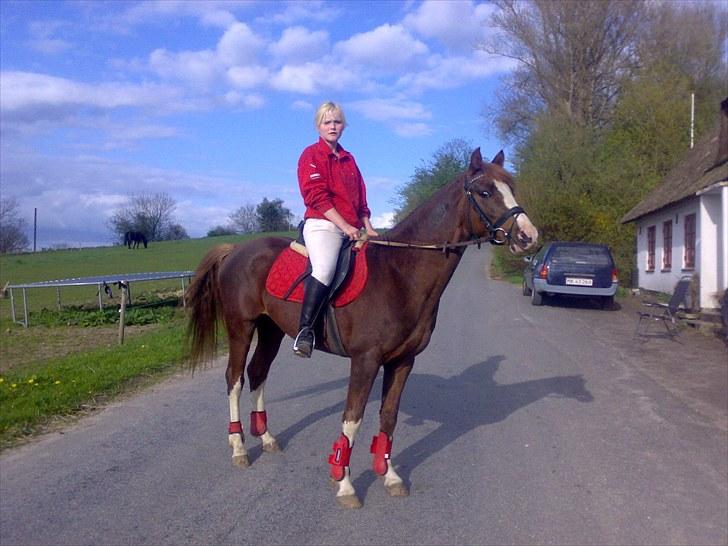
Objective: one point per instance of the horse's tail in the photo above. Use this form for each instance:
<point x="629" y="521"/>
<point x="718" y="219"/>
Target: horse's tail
<point x="202" y="296"/>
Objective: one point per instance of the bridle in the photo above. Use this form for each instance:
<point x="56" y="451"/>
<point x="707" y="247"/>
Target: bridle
<point x="496" y="234"/>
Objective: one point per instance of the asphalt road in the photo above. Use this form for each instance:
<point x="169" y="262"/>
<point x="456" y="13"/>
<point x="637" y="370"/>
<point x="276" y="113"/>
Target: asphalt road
<point x="519" y="425"/>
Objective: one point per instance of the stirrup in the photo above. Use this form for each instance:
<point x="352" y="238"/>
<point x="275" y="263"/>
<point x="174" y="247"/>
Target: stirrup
<point x="302" y="347"/>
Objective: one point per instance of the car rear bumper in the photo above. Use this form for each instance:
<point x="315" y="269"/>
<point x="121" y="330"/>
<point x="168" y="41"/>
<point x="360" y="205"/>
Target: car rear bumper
<point x="541" y="285"/>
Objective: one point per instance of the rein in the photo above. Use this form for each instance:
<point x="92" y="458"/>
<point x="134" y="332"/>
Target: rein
<point x="496" y="234"/>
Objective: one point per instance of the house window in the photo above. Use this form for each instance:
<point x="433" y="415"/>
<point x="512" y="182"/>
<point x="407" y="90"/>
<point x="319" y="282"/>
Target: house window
<point x="689" y="258"/>
<point x="651" y="248"/>
<point x="667" y="245"/>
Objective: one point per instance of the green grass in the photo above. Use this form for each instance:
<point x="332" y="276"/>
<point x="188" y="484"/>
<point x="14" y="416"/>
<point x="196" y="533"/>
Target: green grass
<point x="69" y="360"/>
<point x="25" y="268"/>
<point x="31" y="396"/>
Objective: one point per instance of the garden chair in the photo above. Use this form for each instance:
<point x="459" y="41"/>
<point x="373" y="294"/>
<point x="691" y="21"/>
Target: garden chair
<point x="666" y="313"/>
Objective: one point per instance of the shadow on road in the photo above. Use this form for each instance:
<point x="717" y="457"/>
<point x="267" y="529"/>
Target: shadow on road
<point x="458" y="403"/>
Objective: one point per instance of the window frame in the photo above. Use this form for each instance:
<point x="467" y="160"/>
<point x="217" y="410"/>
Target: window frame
<point x="651" y="236"/>
<point x="690" y="241"/>
<point x="667" y="245"/>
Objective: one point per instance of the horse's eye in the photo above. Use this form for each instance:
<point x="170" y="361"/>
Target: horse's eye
<point x="485" y="194"/>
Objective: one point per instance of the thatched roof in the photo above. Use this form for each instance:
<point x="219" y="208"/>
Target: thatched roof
<point x="703" y="166"/>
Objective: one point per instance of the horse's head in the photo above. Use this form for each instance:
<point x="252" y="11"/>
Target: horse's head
<point x="492" y="207"/>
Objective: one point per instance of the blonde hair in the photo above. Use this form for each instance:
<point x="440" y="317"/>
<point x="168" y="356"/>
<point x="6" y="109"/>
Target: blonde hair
<point x="325" y="108"/>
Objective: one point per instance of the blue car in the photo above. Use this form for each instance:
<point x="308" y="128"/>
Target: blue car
<point x="572" y="269"/>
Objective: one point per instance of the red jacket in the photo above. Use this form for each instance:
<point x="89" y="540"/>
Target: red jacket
<point x="326" y="181"/>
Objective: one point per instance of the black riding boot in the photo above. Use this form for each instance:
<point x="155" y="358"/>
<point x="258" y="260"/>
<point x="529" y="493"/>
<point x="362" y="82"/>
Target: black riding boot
<point x="314" y="298"/>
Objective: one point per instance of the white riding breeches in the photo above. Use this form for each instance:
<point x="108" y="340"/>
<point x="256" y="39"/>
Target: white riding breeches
<point x="323" y="242"/>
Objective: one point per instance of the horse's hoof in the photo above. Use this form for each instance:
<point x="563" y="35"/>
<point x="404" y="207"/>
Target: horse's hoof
<point x="349" y="501"/>
<point x="241" y="461"/>
<point x="272" y="447"/>
<point x="397" y="490"/>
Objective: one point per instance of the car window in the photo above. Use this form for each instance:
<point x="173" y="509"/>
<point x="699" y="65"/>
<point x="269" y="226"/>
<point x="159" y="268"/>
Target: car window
<point x="581" y="255"/>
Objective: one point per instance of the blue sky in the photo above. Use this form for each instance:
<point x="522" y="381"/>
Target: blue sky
<point x="212" y="102"/>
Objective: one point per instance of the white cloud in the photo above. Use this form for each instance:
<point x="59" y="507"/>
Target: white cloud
<point x="459" y="25"/>
<point x="387" y="48"/>
<point x="239" y="45"/>
<point x="45" y="97"/>
<point x="302" y="105"/>
<point x="391" y="109"/>
<point x="310" y="78"/>
<point x="384" y="220"/>
<point x="197" y="67"/>
<point x="247" y="77"/>
<point x="49" y="46"/>
<point x="214" y="13"/>
<point x="298" y="44"/>
<point x="405" y="117"/>
<point x="92" y="187"/>
<point x="312" y="10"/>
<point x="451" y="72"/>
<point x="412" y="129"/>
<point x="253" y="101"/>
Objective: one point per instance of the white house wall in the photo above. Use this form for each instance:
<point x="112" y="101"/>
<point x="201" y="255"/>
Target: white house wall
<point x="713" y="258"/>
<point x="659" y="280"/>
<point x="711" y="246"/>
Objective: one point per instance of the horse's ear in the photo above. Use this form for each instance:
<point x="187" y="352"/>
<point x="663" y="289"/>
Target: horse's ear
<point x="499" y="158"/>
<point x="476" y="160"/>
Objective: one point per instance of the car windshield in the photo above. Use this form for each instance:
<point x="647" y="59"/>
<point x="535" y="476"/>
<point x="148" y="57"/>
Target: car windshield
<point x="580" y="255"/>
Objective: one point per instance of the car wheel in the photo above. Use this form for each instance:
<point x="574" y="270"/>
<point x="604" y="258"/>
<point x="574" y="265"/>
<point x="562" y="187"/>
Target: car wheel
<point x="526" y="289"/>
<point x="536" y="298"/>
<point x="608" y="302"/>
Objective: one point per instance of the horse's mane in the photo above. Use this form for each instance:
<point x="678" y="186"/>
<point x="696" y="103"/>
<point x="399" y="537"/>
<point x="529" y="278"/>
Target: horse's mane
<point x="428" y="213"/>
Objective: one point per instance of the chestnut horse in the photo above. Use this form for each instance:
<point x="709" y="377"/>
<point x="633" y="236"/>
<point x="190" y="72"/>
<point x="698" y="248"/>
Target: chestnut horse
<point x="386" y="327"/>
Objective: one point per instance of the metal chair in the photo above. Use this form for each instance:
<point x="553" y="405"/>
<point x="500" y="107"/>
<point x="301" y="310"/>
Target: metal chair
<point x="666" y="313"/>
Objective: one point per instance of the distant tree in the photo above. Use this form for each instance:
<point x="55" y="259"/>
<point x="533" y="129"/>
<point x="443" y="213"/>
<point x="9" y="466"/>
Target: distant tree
<point x="273" y="216"/>
<point x="573" y="58"/>
<point x="12" y="227"/>
<point x="152" y="214"/>
<point x="244" y="219"/>
<point x="217" y="231"/>
<point x="447" y="162"/>
<point x="174" y="232"/>
<point x="582" y="164"/>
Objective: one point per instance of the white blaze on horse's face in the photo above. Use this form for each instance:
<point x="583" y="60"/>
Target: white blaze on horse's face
<point x="528" y="234"/>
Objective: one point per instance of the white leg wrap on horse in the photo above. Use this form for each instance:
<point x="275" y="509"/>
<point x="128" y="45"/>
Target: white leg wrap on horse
<point x="256" y="397"/>
<point x="234" y="402"/>
<point x="391" y="477"/>
<point x="236" y="440"/>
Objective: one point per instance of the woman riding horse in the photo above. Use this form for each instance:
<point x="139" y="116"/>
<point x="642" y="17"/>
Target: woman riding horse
<point x="386" y="327"/>
<point x="336" y="209"/>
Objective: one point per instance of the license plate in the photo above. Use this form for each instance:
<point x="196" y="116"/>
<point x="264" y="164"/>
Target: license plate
<point x="578" y="282"/>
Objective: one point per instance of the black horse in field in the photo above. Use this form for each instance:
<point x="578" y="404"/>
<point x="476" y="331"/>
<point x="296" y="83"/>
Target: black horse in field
<point x="133" y="238"/>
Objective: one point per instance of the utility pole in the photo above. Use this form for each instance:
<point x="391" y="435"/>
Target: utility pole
<point x="35" y="226"/>
<point x="692" y="118"/>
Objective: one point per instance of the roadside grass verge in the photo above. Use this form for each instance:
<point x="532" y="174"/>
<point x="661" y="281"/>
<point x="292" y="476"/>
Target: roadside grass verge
<point x="506" y="266"/>
<point x="31" y="396"/>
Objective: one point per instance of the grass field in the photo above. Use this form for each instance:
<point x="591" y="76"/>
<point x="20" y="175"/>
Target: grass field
<point x="61" y="366"/>
<point x="64" y="264"/>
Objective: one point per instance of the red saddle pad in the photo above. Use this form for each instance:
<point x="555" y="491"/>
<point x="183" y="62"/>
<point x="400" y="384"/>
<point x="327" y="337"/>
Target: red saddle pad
<point x="290" y="265"/>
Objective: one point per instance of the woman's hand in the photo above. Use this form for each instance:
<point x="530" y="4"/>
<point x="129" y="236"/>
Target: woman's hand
<point x="351" y="232"/>
<point x="368" y="227"/>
